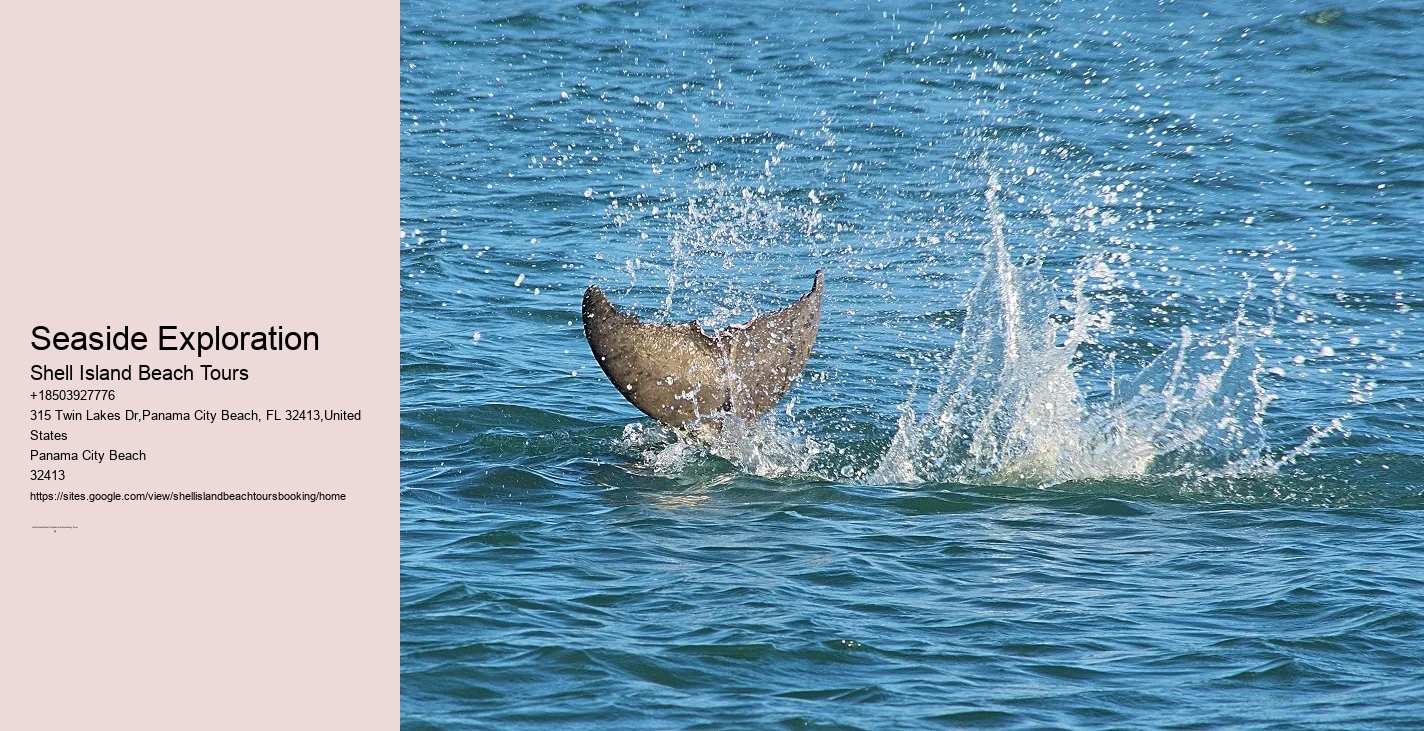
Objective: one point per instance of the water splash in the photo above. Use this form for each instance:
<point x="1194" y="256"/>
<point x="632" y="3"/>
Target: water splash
<point x="763" y="447"/>
<point x="1012" y="403"/>
<point x="1009" y="408"/>
<point x="712" y="239"/>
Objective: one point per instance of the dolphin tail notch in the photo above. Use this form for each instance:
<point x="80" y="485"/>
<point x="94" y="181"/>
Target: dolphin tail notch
<point x="680" y="375"/>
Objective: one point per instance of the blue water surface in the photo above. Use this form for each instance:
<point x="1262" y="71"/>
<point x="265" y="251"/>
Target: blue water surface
<point x="1114" y="419"/>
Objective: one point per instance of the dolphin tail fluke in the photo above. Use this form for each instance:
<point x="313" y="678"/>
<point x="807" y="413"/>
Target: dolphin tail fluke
<point x="679" y="375"/>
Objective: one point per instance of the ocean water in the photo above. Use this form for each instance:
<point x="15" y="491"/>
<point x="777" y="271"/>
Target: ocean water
<point x="1116" y="414"/>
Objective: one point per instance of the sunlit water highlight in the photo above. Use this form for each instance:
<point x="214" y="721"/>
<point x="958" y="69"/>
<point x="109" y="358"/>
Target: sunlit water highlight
<point x="1114" y="418"/>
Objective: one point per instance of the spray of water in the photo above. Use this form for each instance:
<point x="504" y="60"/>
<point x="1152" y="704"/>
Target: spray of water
<point x="713" y="237"/>
<point x="1008" y="406"/>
